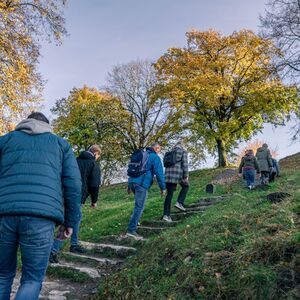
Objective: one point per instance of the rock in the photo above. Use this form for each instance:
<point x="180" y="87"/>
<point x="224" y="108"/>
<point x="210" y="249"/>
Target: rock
<point x="277" y="197"/>
<point x="210" y="188"/>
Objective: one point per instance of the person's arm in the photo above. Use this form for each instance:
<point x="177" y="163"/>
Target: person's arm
<point x="71" y="182"/>
<point x="185" y="165"/>
<point x="94" y="183"/>
<point x="159" y="173"/>
<point x="256" y="165"/>
<point x="241" y="165"/>
<point x="269" y="158"/>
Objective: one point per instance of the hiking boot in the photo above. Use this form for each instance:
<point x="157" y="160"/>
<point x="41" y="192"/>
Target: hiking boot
<point x="53" y="259"/>
<point x="77" y="249"/>
<point x="134" y="236"/>
<point x="167" y="219"/>
<point x="180" y="206"/>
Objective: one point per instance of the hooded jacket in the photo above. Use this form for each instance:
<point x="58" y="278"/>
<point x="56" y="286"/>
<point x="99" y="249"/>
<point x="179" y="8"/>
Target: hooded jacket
<point x="39" y="175"/>
<point x="264" y="159"/>
<point x="249" y="162"/>
<point x="90" y="176"/>
<point x="154" y="168"/>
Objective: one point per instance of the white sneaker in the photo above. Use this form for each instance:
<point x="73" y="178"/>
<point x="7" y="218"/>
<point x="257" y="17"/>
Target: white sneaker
<point x="134" y="236"/>
<point x="167" y="219"/>
<point x="180" y="206"/>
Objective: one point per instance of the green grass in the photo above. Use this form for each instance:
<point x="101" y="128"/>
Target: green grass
<point x="244" y="248"/>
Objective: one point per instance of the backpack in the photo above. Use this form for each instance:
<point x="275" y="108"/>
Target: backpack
<point x="170" y="159"/>
<point x="138" y="163"/>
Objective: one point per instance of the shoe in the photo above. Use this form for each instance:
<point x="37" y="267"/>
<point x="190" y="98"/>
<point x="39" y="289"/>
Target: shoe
<point x="134" y="236"/>
<point x="167" y="219"/>
<point x="53" y="259"/>
<point x="180" y="206"/>
<point x="77" y="249"/>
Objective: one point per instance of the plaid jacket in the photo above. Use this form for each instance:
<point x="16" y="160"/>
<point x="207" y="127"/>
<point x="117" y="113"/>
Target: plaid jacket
<point x="179" y="171"/>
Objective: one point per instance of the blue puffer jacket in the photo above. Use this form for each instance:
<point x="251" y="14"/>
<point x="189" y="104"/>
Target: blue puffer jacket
<point x="154" y="168"/>
<point x="39" y="175"/>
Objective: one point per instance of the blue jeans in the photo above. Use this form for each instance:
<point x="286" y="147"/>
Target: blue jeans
<point x="57" y="244"/>
<point x="140" y="195"/>
<point x="249" y="176"/>
<point x="35" y="236"/>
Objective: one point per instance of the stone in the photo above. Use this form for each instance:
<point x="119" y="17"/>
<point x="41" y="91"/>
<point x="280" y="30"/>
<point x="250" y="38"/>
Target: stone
<point x="210" y="188"/>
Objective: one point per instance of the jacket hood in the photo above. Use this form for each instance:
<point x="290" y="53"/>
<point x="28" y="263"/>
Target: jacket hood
<point x="261" y="149"/>
<point x="32" y="126"/>
<point x="249" y="156"/>
<point x="86" y="155"/>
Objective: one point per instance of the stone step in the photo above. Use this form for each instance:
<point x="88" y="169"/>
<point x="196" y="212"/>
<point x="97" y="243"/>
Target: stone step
<point x="148" y="230"/>
<point x="59" y="289"/>
<point x="121" y="240"/>
<point x="98" y="260"/>
<point x="159" y="223"/>
<point x="91" y="272"/>
<point x="109" y="249"/>
<point x="183" y="215"/>
<point x="193" y="210"/>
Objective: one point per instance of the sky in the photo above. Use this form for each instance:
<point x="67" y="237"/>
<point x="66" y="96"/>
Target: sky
<point x="104" y="33"/>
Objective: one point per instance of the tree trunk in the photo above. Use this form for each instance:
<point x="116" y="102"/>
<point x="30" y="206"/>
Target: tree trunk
<point x="222" y="155"/>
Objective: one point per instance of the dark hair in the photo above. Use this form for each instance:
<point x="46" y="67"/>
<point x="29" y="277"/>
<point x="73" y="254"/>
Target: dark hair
<point x="38" y="116"/>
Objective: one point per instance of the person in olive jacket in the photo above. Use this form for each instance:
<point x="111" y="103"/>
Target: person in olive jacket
<point x="40" y="187"/>
<point x="248" y="167"/>
<point x="91" y="179"/>
<point x="265" y="163"/>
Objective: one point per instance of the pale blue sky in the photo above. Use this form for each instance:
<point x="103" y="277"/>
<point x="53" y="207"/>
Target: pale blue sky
<point x="104" y="33"/>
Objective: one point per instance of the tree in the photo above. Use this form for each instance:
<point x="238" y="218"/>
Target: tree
<point x="281" y="24"/>
<point x="88" y="117"/>
<point x="150" y="118"/>
<point x="228" y="86"/>
<point x="23" y="23"/>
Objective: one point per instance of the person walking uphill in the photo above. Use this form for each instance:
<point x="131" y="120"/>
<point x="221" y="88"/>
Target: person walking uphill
<point x="248" y="166"/>
<point x="176" y="172"/>
<point x="143" y="167"/>
<point x="91" y="179"/>
<point x="265" y="163"/>
<point x="40" y="186"/>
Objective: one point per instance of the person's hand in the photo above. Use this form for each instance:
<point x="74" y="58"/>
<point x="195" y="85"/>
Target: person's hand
<point x="93" y="205"/>
<point x="64" y="232"/>
<point x="162" y="193"/>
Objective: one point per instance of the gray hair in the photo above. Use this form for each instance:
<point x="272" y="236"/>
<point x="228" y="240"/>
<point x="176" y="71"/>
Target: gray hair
<point x="155" y="144"/>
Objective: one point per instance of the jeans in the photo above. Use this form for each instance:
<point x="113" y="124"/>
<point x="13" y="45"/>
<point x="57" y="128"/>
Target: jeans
<point x="57" y="244"/>
<point x="140" y="195"/>
<point x="171" y="187"/>
<point x="35" y="236"/>
<point x="249" y="176"/>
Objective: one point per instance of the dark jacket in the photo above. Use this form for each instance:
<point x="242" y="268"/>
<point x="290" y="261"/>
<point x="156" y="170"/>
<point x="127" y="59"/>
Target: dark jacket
<point x="179" y="171"/>
<point x="90" y="176"/>
<point x="264" y="159"/>
<point x="249" y="162"/>
<point x="154" y="168"/>
<point x="39" y="175"/>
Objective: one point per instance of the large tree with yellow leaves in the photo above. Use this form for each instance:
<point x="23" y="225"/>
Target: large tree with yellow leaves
<point x="227" y="87"/>
<point x="23" y="24"/>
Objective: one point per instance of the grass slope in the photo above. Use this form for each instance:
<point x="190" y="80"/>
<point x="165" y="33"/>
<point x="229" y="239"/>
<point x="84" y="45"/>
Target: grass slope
<point x="245" y="248"/>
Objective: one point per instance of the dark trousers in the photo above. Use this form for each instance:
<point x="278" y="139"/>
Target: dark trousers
<point x="171" y="188"/>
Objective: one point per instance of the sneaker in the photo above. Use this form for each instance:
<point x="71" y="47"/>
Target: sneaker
<point x="167" y="219"/>
<point x="134" y="236"/>
<point x="77" y="249"/>
<point x="53" y="259"/>
<point x="180" y="206"/>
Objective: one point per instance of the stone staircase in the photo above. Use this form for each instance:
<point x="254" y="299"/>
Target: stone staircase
<point x="77" y="276"/>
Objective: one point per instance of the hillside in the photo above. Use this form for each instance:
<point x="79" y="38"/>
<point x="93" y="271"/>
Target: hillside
<point x="242" y="248"/>
<point x="234" y="244"/>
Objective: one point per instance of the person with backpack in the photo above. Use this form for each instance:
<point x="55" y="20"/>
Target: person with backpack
<point x="176" y="172"/>
<point x="91" y="179"/>
<point x="143" y="166"/>
<point x="40" y="187"/>
<point x="265" y="163"/>
<point x="248" y="167"/>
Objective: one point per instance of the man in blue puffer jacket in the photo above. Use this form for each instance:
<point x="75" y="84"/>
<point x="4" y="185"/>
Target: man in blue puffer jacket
<point x="140" y="186"/>
<point x="40" y="186"/>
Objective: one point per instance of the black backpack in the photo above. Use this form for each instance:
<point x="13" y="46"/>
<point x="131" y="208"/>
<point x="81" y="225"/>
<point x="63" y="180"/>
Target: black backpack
<point x="138" y="163"/>
<point x="170" y="159"/>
